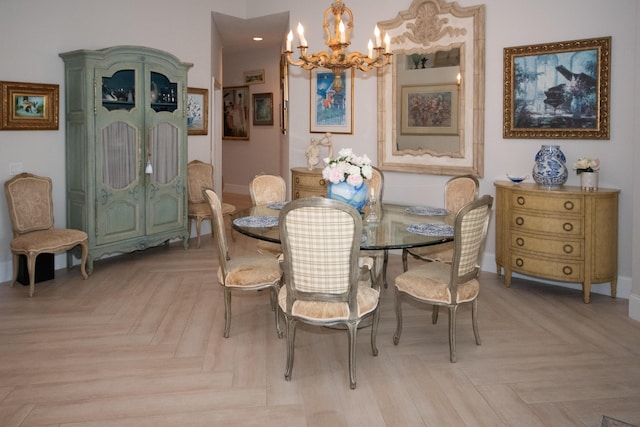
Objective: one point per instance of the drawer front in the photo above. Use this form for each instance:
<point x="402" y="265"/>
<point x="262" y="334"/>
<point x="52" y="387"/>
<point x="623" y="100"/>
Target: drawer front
<point x="547" y="203"/>
<point x="302" y="192"/>
<point x="568" y="249"/>
<point x="564" y="270"/>
<point x="556" y="225"/>
<point x="309" y="181"/>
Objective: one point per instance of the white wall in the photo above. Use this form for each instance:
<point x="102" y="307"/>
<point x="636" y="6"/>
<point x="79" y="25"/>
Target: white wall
<point x="185" y="31"/>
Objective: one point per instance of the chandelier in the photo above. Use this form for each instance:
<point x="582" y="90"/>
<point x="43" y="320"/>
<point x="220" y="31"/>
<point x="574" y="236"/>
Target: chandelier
<point x="339" y="59"/>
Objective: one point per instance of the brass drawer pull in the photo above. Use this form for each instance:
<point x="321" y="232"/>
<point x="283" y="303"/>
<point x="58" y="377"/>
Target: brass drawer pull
<point x="519" y="220"/>
<point x="322" y="182"/>
<point x="568" y="205"/>
<point x="297" y="180"/>
<point x="520" y="200"/>
<point x="567" y="270"/>
<point x="519" y="262"/>
<point x="520" y="241"/>
<point x="568" y="249"/>
<point x="567" y="226"/>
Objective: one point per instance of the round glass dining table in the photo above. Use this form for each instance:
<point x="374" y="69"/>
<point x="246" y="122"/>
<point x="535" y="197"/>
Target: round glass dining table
<point x="400" y="226"/>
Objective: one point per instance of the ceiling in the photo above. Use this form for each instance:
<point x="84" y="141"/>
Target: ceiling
<point x="237" y="33"/>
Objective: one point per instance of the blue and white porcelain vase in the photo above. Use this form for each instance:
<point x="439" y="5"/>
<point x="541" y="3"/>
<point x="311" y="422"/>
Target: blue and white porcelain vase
<point x="550" y="169"/>
<point x="355" y="196"/>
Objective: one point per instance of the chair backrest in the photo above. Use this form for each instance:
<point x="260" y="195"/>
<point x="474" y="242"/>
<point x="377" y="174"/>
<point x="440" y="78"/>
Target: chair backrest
<point x="200" y="177"/>
<point x="218" y="225"/>
<point x="30" y="203"/>
<point x="459" y="191"/>
<point x="376" y="182"/>
<point x="470" y="231"/>
<point x="321" y="244"/>
<point x="265" y="189"/>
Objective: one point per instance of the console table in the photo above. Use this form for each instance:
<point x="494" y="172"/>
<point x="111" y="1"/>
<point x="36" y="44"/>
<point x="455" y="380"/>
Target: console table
<point x="564" y="234"/>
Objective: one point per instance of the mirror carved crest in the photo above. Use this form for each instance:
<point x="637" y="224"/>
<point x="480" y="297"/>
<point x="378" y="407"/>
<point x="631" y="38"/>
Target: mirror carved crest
<point x="431" y="99"/>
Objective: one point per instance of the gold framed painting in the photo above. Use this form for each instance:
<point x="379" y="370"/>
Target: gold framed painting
<point x="29" y="106"/>
<point x="557" y="90"/>
<point x="197" y="111"/>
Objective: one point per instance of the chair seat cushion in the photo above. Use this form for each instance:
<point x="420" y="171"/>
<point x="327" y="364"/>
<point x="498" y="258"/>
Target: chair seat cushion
<point x="430" y="282"/>
<point x="251" y="270"/>
<point x="47" y="241"/>
<point x="331" y="311"/>
<point x="442" y="252"/>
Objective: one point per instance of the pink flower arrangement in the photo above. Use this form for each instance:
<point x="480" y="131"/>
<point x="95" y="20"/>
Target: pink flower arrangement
<point x="347" y="167"/>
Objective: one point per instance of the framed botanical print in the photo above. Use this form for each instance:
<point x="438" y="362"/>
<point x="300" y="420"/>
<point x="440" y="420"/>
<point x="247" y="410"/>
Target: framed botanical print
<point x="197" y="111"/>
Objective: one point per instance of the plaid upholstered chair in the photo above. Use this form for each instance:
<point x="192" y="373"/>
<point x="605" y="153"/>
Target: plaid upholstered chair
<point x="458" y="191"/>
<point x="242" y="273"/>
<point x="322" y="267"/>
<point x="266" y="189"/>
<point x="30" y="204"/>
<point x="449" y="285"/>
<point x="200" y="177"/>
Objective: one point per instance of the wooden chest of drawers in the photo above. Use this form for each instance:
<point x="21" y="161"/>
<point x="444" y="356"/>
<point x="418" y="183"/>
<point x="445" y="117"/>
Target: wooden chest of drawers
<point x="307" y="183"/>
<point x="563" y="234"/>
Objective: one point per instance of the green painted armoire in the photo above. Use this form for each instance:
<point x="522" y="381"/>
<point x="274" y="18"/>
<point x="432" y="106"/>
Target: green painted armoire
<point x="126" y="148"/>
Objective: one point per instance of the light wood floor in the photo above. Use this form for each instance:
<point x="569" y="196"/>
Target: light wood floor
<point x="140" y="344"/>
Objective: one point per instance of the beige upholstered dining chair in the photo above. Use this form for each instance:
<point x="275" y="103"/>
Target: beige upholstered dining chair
<point x="458" y="191"/>
<point x="449" y="285"/>
<point x="242" y="273"/>
<point x="200" y="177"/>
<point x="266" y="189"/>
<point x="322" y="267"/>
<point x="30" y="203"/>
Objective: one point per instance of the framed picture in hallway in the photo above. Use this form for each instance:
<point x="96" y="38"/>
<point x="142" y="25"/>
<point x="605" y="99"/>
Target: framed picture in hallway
<point x="263" y="109"/>
<point x="29" y="106"/>
<point x="236" y="112"/>
<point x="331" y="102"/>
<point x="557" y="90"/>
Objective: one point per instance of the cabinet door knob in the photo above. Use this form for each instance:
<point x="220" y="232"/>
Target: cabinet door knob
<point x="519" y="220"/>
<point x="567" y="270"/>
<point x="519" y="262"/>
<point x="568" y="249"/>
<point x="297" y="180"/>
<point x="520" y="241"/>
<point x="520" y="200"/>
<point x="322" y="182"/>
<point x="568" y="205"/>
<point x="567" y="226"/>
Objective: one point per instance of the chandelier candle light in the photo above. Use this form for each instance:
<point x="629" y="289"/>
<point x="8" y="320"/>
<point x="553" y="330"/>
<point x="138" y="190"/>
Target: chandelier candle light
<point x="339" y="59"/>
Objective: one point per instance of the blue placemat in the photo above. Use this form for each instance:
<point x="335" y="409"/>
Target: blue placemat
<point x="277" y="205"/>
<point x="426" y="210"/>
<point x="431" y="230"/>
<point x="256" y="221"/>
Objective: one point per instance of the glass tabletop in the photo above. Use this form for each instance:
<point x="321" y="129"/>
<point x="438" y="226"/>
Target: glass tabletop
<point x="390" y="233"/>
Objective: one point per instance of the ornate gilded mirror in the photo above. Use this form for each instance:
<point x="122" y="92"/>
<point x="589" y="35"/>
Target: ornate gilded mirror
<point x="431" y="99"/>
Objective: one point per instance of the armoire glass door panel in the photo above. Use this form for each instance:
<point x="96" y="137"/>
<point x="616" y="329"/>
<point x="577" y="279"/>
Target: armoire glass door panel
<point x="119" y="163"/>
<point x="119" y="90"/>
<point x="163" y="93"/>
<point x="166" y="190"/>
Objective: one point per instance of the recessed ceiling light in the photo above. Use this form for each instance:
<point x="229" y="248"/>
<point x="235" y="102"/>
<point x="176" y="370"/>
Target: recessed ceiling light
<point x="258" y="39"/>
